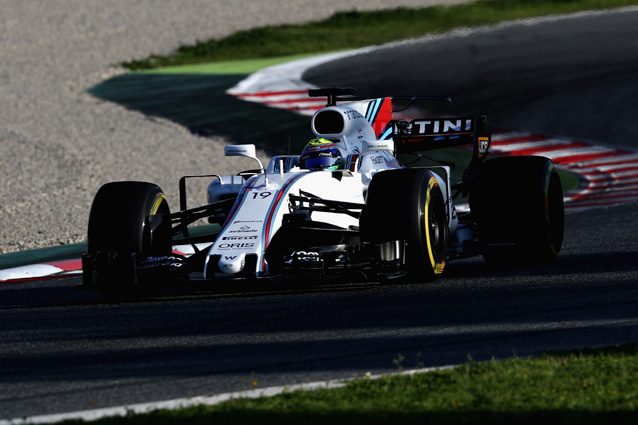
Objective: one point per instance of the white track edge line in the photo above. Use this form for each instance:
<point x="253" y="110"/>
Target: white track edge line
<point x="180" y="403"/>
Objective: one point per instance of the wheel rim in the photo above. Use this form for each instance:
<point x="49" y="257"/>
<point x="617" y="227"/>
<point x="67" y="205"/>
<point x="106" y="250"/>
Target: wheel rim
<point x="434" y="232"/>
<point x="152" y="245"/>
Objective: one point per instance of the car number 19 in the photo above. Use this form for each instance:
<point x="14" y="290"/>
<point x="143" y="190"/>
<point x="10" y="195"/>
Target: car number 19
<point x="262" y="195"/>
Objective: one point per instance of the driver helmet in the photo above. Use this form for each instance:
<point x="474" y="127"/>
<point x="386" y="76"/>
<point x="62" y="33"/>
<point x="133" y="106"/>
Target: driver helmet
<point x="321" y="154"/>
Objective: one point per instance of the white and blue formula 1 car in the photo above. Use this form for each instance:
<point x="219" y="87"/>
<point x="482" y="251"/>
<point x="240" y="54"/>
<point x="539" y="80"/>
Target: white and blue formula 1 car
<point x="346" y="204"/>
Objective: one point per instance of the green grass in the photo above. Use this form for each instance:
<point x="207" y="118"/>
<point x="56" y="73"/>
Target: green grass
<point x="40" y="255"/>
<point x="587" y="387"/>
<point x="569" y="180"/>
<point x="353" y="29"/>
<point x="230" y="67"/>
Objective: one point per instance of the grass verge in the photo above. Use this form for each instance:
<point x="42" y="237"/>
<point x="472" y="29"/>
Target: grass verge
<point x="42" y="255"/>
<point x="354" y="29"/>
<point x="587" y="387"/>
<point x="569" y="180"/>
<point x="229" y="67"/>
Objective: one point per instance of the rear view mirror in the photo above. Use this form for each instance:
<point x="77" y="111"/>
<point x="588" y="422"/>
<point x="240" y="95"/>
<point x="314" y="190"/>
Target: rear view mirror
<point x="241" y="150"/>
<point x="247" y="151"/>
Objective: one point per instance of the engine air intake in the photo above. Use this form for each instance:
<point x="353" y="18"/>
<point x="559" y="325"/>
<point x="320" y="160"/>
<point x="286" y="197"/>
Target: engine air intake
<point x="329" y="122"/>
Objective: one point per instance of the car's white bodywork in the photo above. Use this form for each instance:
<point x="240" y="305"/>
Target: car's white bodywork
<point x="344" y="208"/>
<point x="263" y="199"/>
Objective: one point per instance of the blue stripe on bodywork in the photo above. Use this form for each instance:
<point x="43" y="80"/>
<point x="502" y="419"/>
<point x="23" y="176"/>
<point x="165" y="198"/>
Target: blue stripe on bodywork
<point x="387" y="134"/>
<point x="369" y="109"/>
<point x="375" y="110"/>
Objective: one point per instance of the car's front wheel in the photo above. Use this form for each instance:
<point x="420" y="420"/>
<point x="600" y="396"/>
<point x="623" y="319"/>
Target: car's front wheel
<point x="128" y="220"/>
<point x="408" y="206"/>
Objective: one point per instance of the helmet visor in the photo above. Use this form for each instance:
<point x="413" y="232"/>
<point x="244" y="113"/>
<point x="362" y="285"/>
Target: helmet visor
<point x="321" y="163"/>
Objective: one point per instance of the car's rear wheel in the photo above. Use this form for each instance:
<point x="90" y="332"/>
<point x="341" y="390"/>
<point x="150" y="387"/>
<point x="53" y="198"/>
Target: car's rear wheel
<point x="518" y="207"/>
<point x="407" y="205"/>
<point x="128" y="221"/>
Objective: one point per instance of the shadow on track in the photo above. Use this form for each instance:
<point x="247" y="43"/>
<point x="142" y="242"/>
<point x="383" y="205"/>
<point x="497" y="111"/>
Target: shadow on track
<point x="566" y="264"/>
<point x="63" y="343"/>
<point x="323" y="331"/>
<point x="69" y="291"/>
<point x="200" y="103"/>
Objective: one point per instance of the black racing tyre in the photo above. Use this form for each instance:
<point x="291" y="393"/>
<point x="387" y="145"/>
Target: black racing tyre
<point x="517" y="203"/>
<point x="408" y="205"/>
<point x="127" y="219"/>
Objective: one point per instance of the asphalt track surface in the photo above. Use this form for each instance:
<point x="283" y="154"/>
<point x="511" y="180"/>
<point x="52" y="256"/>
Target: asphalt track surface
<point x="64" y="349"/>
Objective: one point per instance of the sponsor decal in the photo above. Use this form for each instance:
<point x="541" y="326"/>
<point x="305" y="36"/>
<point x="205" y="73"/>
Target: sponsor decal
<point x="306" y="257"/>
<point x="312" y="256"/>
<point x="352" y="114"/>
<point x="169" y="261"/>
<point x="239" y="238"/>
<point x="244" y="229"/>
<point x="236" y="245"/>
<point x="441" y="126"/>
<point x="377" y="159"/>
<point x="483" y="145"/>
<point x="379" y="145"/>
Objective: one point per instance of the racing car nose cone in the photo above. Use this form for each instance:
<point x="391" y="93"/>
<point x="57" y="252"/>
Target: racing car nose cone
<point x="232" y="263"/>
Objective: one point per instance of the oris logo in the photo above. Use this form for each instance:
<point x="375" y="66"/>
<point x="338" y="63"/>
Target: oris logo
<point x="237" y="245"/>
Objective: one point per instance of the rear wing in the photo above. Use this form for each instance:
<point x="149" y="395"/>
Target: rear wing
<point x="437" y="133"/>
<point x="418" y="134"/>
